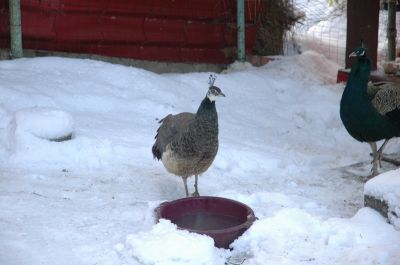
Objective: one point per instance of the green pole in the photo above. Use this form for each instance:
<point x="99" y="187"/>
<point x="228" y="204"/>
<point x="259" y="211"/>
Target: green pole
<point x="240" y="34"/>
<point x="391" y="30"/>
<point x="15" y="29"/>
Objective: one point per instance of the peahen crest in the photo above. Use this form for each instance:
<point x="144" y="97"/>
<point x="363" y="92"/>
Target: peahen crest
<point x="212" y="79"/>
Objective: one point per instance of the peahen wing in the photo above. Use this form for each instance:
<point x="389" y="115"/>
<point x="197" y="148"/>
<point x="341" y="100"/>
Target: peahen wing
<point x="171" y="128"/>
<point x="387" y="98"/>
<point x="373" y="88"/>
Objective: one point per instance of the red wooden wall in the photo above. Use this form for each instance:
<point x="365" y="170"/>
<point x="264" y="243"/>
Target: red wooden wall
<point x="161" y="30"/>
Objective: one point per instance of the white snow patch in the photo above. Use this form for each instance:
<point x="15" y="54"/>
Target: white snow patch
<point x="386" y="187"/>
<point x="324" y="71"/>
<point x="238" y="66"/>
<point x="293" y="236"/>
<point x="45" y="123"/>
<point x="165" y="244"/>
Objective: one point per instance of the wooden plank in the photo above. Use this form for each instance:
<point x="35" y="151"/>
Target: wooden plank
<point x="362" y="25"/>
<point x="165" y="30"/>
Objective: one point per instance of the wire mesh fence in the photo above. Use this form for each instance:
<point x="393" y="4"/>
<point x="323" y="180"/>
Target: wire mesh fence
<point x="382" y="34"/>
<point x="324" y="29"/>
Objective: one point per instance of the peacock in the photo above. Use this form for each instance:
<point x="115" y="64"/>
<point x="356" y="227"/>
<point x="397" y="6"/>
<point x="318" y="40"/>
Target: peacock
<point x="187" y="143"/>
<point x="369" y="114"/>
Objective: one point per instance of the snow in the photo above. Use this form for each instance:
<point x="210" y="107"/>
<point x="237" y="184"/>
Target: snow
<point x="293" y="236"/>
<point x="31" y="129"/>
<point x="91" y="199"/>
<point x="386" y="187"/>
<point x="42" y="123"/>
<point x="173" y="246"/>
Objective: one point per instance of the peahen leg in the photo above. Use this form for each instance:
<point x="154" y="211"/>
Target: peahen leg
<point x="380" y="151"/>
<point x="374" y="170"/>
<point x="186" y="188"/>
<point x="196" y="191"/>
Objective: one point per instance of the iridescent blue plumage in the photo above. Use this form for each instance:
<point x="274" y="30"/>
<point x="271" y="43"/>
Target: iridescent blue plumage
<point x="365" y="121"/>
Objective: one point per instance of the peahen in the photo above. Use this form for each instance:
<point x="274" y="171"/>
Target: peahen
<point x="187" y="143"/>
<point x="369" y="115"/>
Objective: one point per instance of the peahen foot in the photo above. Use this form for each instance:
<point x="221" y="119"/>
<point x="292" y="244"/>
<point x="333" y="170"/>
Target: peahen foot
<point x="195" y="194"/>
<point x="196" y="191"/>
<point x="185" y="184"/>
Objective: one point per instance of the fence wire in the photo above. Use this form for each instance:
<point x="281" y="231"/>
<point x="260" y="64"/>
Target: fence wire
<point x="324" y="30"/>
<point x="383" y="43"/>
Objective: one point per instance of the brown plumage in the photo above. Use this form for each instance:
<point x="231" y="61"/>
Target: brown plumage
<point x="386" y="97"/>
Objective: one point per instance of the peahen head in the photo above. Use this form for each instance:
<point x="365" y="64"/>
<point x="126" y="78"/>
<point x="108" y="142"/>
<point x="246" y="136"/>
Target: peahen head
<point x="213" y="91"/>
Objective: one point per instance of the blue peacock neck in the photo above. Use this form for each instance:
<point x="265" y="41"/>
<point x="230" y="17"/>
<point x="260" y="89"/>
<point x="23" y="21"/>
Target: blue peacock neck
<point x="359" y="76"/>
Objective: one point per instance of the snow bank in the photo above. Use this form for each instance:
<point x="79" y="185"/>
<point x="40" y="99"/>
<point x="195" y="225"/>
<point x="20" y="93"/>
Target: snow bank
<point x="290" y="236"/>
<point x="311" y="68"/>
<point x="293" y="236"/>
<point x="39" y="134"/>
<point x="44" y="123"/>
<point x="386" y="187"/>
<point x="164" y="244"/>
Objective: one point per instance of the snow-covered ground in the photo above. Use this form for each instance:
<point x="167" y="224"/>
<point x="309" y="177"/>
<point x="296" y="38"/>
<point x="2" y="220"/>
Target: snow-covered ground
<point x="90" y="200"/>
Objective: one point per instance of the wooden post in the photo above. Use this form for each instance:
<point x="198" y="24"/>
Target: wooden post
<point x="391" y="30"/>
<point x="362" y="25"/>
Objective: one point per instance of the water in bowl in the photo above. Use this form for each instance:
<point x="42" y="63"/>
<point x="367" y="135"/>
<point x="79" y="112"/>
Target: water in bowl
<point x="206" y="221"/>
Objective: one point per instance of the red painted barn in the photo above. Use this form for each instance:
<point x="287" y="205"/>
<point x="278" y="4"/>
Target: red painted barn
<point x="159" y="30"/>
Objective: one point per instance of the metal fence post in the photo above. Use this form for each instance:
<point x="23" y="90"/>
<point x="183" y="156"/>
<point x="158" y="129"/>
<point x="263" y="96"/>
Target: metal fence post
<point x="15" y="29"/>
<point x="241" y="31"/>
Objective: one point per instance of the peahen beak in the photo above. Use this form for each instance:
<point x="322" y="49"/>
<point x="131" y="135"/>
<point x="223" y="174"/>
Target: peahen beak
<point x="222" y="94"/>
<point x="353" y="54"/>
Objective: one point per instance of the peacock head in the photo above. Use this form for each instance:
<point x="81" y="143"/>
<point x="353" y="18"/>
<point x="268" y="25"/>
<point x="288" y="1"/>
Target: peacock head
<point x="213" y="91"/>
<point x="360" y="52"/>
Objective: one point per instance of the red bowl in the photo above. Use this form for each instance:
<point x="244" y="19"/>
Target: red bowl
<point x="222" y="219"/>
